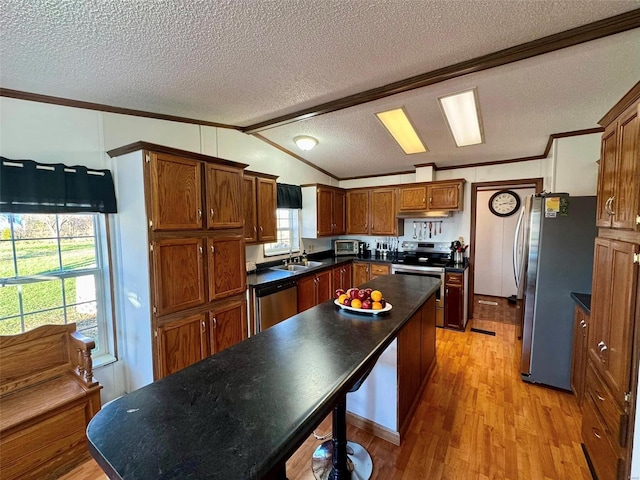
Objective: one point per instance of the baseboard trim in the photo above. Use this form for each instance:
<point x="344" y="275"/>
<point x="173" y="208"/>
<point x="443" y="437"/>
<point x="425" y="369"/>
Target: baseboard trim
<point x="374" y="428"/>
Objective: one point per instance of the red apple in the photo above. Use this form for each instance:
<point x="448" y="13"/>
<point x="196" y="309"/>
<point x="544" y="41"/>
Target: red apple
<point x="383" y="302"/>
<point x="368" y="290"/>
<point x="339" y="292"/>
<point x="347" y="302"/>
<point x="362" y="295"/>
<point x="366" y="304"/>
<point x="352" y="292"/>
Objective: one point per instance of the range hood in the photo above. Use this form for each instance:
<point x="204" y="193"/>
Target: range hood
<point x="424" y="214"/>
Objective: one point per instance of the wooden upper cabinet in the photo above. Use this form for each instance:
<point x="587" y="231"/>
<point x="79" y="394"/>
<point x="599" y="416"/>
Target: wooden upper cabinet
<point x="181" y="343"/>
<point x="178" y="274"/>
<point x="267" y="204"/>
<point x="445" y="196"/>
<point x="224" y="197"/>
<point x="176" y="193"/>
<point x="412" y="198"/>
<point x="619" y="173"/>
<point x="382" y="213"/>
<point x="227" y="326"/>
<point x="325" y="212"/>
<point x="226" y="261"/>
<point x="358" y="212"/>
<point x="339" y="202"/>
<point x="249" y="208"/>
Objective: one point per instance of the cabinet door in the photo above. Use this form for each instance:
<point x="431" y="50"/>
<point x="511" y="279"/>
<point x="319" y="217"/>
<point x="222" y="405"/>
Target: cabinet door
<point x="227" y="326"/>
<point x="579" y="358"/>
<point x="267" y="204"/>
<point x="176" y="193"/>
<point x="428" y="335"/>
<point x="610" y="333"/>
<point x="445" y="196"/>
<point x="409" y="364"/>
<point x="178" y="274"/>
<point x="348" y="276"/>
<point x="383" y="211"/>
<point x="626" y="200"/>
<point x="412" y="198"/>
<point x="181" y="343"/>
<point x="358" y="212"/>
<point x="323" y="287"/>
<point x="226" y="261"/>
<point x="606" y="175"/>
<point x="224" y="192"/>
<point x="339" y="203"/>
<point x="306" y="293"/>
<point x="324" y="212"/>
<point x="360" y="273"/>
<point x="249" y="203"/>
<point x="454" y="301"/>
<point x="342" y="277"/>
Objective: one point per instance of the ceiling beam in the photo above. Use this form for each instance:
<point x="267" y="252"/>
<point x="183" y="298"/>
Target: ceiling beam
<point x="551" y="43"/>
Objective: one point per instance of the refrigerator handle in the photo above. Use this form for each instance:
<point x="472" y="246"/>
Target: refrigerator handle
<point x="516" y="267"/>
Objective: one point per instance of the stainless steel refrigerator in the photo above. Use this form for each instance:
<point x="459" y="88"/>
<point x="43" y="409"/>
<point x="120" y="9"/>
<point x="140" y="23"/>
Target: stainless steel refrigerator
<point x="553" y="256"/>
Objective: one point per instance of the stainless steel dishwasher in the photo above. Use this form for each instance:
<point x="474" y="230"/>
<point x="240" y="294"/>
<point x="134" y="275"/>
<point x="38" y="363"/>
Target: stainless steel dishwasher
<point x="275" y="303"/>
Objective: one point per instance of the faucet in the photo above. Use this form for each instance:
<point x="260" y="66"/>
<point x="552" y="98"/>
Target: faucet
<point x="290" y="251"/>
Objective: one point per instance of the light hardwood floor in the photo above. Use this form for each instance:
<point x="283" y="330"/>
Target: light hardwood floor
<point x="476" y="420"/>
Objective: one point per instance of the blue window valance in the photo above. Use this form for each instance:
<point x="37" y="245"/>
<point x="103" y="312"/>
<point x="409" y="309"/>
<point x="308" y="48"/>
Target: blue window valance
<point x="30" y="187"/>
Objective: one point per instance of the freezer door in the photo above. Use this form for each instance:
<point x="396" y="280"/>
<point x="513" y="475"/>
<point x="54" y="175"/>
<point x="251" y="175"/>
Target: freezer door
<point x="532" y="224"/>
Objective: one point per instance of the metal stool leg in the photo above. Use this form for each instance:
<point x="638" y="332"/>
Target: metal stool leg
<point x="339" y="471"/>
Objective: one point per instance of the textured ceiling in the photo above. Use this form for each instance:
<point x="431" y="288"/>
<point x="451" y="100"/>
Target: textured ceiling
<point x="241" y="62"/>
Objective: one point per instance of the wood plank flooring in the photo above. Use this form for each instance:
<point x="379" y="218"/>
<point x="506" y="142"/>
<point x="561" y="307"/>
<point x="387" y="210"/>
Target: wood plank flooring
<point x="476" y="420"/>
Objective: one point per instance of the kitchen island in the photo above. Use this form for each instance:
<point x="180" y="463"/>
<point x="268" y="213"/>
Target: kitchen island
<point x="241" y="413"/>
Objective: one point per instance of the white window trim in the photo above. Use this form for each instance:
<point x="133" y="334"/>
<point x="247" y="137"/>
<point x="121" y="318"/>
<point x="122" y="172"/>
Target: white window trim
<point x="294" y="232"/>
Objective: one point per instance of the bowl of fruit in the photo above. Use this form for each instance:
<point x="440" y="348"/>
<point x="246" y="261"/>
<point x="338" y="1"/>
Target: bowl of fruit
<point x="362" y="300"/>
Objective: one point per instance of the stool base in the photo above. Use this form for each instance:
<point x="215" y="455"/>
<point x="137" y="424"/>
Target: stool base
<point x="359" y="461"/>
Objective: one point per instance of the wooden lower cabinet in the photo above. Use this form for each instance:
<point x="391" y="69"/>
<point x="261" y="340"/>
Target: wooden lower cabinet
<point x="184" y="341"/>
<point x="341" y="277"/>
<point x="579" y="356"/>
<point x="363" y="272"/>
<point x="314" y="289"/>
<point x="181" y="343"/>
<point x="454" y="301"/>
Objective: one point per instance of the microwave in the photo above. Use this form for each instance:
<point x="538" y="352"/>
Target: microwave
<point x="345" y="247"/>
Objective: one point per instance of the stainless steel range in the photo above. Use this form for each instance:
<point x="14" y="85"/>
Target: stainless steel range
<point x="426" y="259"/>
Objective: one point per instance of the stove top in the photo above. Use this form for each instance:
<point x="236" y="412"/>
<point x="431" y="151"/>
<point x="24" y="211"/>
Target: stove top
<point x="429" y="254"/>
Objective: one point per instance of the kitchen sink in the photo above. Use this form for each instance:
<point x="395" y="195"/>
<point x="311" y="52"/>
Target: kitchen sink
<point x="291" y="267"/>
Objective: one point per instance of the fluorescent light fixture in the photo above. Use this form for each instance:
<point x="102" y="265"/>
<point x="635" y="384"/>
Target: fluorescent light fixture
<point x="305" y="142"/>
<point x="399" y="126"/>
<point x="462" y="114"/>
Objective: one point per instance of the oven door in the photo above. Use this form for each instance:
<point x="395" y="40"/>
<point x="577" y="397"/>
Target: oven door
<point x="436" y="273"/>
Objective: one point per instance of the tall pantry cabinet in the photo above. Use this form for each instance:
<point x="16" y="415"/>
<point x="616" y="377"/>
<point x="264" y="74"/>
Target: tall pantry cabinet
<point x="180" y="253"/>
<point x="613" y="356"/>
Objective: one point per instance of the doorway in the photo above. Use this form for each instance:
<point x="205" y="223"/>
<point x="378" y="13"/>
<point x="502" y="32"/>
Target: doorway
<point x="491" y="279"/>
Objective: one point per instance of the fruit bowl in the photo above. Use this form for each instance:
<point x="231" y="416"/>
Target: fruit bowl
<point x="369" y="311"/>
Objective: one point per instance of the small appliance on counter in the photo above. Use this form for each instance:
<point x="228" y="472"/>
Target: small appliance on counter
<point x="364" y="250"/>
<point x="345" y="247"/>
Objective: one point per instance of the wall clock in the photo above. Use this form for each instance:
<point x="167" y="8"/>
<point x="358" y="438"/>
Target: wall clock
<point x="504" y="203"/>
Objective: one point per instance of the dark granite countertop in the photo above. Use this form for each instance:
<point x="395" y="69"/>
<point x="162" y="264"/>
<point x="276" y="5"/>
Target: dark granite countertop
<point x="583" y="300"/>
<point x="241" y="413"/>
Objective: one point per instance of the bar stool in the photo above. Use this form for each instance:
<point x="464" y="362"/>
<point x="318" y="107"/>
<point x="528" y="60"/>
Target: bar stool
<point x="338" y="458"/>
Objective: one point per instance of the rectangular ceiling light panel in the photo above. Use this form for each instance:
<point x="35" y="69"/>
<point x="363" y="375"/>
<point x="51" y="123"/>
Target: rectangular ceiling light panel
<point x="399" y="126"/>
<point x="462" y="114"/>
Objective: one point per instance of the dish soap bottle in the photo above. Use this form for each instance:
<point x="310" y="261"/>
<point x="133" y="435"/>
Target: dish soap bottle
<point x="304" y="257"/>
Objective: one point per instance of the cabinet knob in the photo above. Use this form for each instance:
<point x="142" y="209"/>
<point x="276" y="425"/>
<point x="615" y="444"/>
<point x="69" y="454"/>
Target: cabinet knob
<point x="595" y="432"/>
<point x="199" y="214"/>
<point x="261" y="229"/>
<point x="204" y="327"/>
<point x="215" y="322"/>
<point x="213" y="249"/>
<point x="600" y="397"/>
<point x="200" y="249"/>
<point x="211" y="212"/>
<point x="254" y="229"/>
<point x="611" y="212"/>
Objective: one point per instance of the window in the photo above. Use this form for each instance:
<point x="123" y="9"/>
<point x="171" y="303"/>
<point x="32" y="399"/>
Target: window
<point x="51" y="273"/>
<point x="288" y="233"/>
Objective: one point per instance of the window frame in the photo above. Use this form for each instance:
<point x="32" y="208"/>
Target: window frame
<point x="294" y="234"/>
<point x="105" y="347"/>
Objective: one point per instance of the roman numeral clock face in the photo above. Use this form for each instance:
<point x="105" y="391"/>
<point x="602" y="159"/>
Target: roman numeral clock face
<point x="504" y="203"/>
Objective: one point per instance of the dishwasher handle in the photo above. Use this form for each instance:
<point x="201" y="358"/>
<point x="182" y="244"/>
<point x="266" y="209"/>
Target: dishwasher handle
<point x="278" y="287"/>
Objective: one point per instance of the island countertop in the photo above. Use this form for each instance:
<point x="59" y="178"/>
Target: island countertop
<point x="241" y="413"/>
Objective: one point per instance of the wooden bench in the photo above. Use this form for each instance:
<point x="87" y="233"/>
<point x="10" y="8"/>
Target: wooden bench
<point x="47" y="397"/>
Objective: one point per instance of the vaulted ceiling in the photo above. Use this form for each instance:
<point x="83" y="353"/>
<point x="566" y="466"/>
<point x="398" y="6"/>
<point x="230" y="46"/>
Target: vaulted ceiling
<point x="281" y="68"/>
